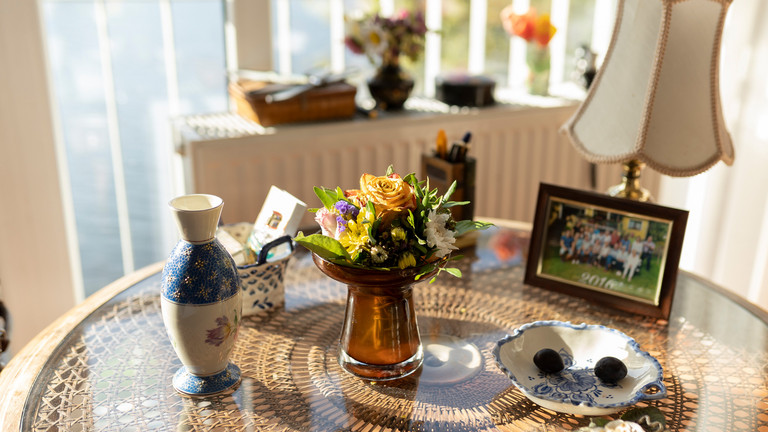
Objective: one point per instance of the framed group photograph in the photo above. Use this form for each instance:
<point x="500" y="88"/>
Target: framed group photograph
<point x="614" y="251"/>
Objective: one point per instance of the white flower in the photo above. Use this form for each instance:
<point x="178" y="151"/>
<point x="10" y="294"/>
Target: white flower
<point x="374" y="39"/>
<point x="378" y="254"/>
<point x="437" y="235"/>
<point x="615" y="426"/>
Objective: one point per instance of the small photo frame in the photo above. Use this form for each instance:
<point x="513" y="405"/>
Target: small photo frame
<point x="614" y="251"/>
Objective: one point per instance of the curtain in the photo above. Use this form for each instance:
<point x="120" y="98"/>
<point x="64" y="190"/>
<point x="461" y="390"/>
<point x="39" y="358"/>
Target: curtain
<point x="726" y="239"/>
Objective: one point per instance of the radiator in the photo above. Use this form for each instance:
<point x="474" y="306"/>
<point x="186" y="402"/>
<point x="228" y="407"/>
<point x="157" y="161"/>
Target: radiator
<point x="516" y="148"/>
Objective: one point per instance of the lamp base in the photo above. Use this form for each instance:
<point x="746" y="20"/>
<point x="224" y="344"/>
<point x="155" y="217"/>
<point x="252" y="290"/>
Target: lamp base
<point x="630" y="183"/>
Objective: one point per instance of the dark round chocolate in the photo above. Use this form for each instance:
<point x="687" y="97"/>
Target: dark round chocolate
<point x="610" y="370"/>
<point x="548" y="361"/>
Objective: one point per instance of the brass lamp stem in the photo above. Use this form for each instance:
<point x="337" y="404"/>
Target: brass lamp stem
<point x="630" y="183"/>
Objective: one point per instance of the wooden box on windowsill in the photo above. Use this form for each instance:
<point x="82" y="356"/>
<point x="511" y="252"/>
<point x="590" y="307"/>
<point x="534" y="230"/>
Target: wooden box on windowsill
<point x="333" y="101"/>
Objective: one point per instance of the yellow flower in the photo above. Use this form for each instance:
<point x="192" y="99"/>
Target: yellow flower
<point x="355" y="236"/>
<point x="398" y="234"/>
<point x="406" y="260"/>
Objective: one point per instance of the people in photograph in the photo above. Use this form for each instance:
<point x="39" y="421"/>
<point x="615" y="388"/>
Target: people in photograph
<point x="625" y="243"/>
<point x="607" y="237"/>
<point x="633" y="261"/>
<point x="649" y="247"/>
<point x="585" y="250"/>
<point x="594" y="253"/>
<point x="615" y="237"/>
<point x="615" y="258"/>
<point x="605" y="251"/>
<point x="566" y="244"/>
<point x="637" y="245"/>
<point x="578" y="242"/>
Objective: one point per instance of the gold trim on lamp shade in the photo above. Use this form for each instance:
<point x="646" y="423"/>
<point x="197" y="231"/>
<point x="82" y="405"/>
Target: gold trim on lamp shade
<point x="656" y="98"/>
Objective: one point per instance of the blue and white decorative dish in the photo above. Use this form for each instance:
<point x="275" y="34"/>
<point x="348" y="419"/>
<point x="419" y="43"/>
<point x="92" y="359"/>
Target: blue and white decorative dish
<point x="576" y="389"/>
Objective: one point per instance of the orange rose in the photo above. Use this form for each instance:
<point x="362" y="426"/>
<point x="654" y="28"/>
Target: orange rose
<point x="389" y="195"/>
<point x="530" y="26"/>
<point x="519" y="25"/>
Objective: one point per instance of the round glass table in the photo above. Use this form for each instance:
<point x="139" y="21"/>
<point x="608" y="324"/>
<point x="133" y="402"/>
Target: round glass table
<point x="108" y="364"/>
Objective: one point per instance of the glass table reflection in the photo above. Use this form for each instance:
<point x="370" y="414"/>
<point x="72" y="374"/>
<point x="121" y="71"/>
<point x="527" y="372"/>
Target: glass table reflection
<point x="108" y="366"/>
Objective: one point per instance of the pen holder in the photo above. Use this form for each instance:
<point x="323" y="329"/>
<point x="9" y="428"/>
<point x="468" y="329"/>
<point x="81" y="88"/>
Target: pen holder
<point x="442" y="173"/>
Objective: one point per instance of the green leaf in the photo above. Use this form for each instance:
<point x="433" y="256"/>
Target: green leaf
<point x="453" y="271"/>
<point x="412" y="180"/>
<point x="454" y="203"/>
<point x="466" y="226"/>
<point x="324" y="246"/>
<point x="653" y="413"/>
<point x="598" y="422"/>
<point x="451" y="189"/>
<point x="327" y="197"/>
<point x="390" y="170"/>
<point x="411" y="219"/>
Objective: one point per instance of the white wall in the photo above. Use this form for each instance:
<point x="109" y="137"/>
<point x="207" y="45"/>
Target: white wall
<point x="35" y="277"/>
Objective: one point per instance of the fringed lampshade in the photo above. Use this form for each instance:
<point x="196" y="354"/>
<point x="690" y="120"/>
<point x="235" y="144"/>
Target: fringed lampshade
<point x="656" y="98"/>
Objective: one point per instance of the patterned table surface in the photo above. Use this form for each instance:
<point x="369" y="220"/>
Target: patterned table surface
<point x="108" y="365"/>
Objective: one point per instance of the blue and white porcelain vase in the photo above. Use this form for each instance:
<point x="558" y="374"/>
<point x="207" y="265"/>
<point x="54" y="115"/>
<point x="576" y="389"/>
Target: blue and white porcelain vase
<point x="201" y="299"/>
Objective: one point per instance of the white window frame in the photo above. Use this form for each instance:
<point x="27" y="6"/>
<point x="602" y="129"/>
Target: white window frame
<point x="249" y="37"/>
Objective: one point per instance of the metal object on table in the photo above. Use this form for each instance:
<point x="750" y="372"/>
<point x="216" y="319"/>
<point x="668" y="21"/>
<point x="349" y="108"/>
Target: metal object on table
<point x="630" y="183"/>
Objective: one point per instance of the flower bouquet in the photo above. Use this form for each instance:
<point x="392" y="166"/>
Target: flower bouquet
<point x="380" y="240"/>
<point x="390" y="222"/>
<point x="383" y="40"/>
<point x="537" y="30"/>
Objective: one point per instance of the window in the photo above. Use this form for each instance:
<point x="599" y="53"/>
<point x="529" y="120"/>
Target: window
<point x="468" y="37"/>
<point x="121" y="69"/>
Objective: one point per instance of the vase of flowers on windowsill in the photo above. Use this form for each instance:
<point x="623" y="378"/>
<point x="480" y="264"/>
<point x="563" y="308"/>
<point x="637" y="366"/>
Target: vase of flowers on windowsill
<point x="537" y="30"/>
<point x="384" y="40"/>
<point x="380" y="240"/>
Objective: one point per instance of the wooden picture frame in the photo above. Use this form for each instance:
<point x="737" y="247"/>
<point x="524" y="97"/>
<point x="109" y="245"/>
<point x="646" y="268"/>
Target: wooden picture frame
<point x="594" y="246"/>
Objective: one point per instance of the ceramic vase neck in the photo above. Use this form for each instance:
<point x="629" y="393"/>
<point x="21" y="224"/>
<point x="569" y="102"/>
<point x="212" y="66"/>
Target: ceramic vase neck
<point x="197" y="216"/>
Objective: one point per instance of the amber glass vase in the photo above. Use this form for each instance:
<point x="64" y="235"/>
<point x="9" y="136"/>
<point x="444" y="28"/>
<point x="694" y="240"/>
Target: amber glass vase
<point x="380" y="337"/>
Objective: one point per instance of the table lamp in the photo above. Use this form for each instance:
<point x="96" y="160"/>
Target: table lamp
<point x="656" y="99"/>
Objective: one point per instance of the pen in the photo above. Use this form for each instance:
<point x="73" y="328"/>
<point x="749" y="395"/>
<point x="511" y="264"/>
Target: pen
<point x="442" y="144"/>
<point x="458" y="153"/>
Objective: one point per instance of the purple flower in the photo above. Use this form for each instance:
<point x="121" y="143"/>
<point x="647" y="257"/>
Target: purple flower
<point x="347" y="210"/>
<point x="341" y="224"/>
<point x="217" y="335"/>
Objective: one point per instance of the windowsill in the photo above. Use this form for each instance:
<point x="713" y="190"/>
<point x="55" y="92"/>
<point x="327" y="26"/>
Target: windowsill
<point x="218" y="126"/>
